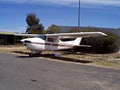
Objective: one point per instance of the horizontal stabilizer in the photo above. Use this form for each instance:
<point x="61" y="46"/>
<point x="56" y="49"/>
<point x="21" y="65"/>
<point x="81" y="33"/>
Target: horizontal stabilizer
<point x="85" y="46"/>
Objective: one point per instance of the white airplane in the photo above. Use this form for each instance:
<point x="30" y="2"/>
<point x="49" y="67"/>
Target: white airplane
<point x="53" y="42"/>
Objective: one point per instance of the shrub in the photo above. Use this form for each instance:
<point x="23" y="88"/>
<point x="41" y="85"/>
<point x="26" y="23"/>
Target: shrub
<point x="109" y="44"/>
<point x="2" y="42"/>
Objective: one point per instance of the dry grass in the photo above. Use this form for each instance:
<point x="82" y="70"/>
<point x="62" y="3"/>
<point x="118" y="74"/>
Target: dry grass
<point x="106" y="60"/>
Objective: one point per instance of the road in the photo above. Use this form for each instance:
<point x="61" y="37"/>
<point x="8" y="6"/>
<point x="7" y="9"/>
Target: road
<point x="24" y="73"/>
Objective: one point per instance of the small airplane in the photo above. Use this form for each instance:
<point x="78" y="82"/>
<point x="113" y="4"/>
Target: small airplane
<point x="51" y="42"/>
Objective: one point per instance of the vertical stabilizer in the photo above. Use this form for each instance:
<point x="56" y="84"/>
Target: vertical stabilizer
<point x="77" y="41"/>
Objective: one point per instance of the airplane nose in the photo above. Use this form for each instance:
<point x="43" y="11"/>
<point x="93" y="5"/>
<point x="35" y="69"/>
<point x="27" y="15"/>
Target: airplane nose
<point x="22" y="40"/>
<point x="25" y="41"/>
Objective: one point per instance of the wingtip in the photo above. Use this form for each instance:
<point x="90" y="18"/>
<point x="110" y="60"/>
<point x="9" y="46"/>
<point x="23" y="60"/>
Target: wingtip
<point x="105" y="34"/>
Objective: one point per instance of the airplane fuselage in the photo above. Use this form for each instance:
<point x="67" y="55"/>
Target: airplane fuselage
<point x="38" y="44"/>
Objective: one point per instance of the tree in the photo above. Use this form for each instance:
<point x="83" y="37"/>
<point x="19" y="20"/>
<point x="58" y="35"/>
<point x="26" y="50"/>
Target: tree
<point x="33" y="24"/>
<point x="53" y="29"/>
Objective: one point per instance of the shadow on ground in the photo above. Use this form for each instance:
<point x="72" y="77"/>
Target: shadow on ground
<point x="52" y="56"/>
<point x="21" y="52"/>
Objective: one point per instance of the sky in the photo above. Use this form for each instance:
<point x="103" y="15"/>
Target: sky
<point x="94" y="13"/>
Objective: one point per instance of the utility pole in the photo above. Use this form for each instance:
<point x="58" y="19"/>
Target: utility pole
<point x="79" y="16"/>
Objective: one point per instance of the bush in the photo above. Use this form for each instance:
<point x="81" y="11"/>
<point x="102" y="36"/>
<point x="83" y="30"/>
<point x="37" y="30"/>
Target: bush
<point x="103" y="44"/>
<point x="109" y="44"/>
<point x="2" y="42"/>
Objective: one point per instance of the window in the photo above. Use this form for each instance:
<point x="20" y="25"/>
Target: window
<point x="51" y="40"/>
<point x="42" y="37"/>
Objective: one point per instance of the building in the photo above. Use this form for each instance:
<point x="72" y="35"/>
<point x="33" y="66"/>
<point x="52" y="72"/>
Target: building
<point x="9" y="38"/>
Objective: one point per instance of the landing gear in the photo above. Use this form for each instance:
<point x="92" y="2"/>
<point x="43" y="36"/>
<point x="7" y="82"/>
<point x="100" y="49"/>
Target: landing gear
<point x="38" y="52"/>
<point x="35" y="53"/>
<point x="58" y="55"/>
<point x="31" y="55"/>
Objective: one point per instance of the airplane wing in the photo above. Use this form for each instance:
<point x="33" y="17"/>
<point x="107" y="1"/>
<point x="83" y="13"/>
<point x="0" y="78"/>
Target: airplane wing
<point x="66" y="35"/>
<point x="75" y="35"/>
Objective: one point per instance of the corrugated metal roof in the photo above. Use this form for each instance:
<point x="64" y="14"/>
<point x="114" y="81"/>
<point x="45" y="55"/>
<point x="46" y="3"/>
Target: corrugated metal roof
<point x="6" y="33"/>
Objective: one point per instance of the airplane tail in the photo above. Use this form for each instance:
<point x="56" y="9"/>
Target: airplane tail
<point x="77" y="41"/>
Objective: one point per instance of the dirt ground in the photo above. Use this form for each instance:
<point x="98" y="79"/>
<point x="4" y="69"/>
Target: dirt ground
<point x="104" y="60"/>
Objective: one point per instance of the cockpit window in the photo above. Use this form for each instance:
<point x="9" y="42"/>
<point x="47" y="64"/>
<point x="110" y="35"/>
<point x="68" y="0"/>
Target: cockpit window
<point x="42" y="37"/>
<point x="48" y="39"/>
<point x="52" y="40"/>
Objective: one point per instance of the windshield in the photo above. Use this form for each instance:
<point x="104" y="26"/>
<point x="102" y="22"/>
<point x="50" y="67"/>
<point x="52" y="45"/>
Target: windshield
<point x="42" y="37"/>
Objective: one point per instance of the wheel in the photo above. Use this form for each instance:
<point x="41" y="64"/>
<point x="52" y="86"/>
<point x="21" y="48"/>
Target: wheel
<point x="38" y="52"/>
<point x="30" y="55"/>
<point x="58" y="55"/>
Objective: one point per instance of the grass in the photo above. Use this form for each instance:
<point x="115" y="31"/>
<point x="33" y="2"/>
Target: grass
<point x="106" y="60"/>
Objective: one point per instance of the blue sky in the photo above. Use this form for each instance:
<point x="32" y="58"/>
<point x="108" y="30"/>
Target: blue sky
<point x="95" y="13"/>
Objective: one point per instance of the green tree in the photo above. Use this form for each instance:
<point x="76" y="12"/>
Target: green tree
<point x="53" y="29"/>
<point x="34" y="25"/>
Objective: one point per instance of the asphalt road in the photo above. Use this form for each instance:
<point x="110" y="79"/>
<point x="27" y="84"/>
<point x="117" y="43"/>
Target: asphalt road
<point x="24" y="73"/>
